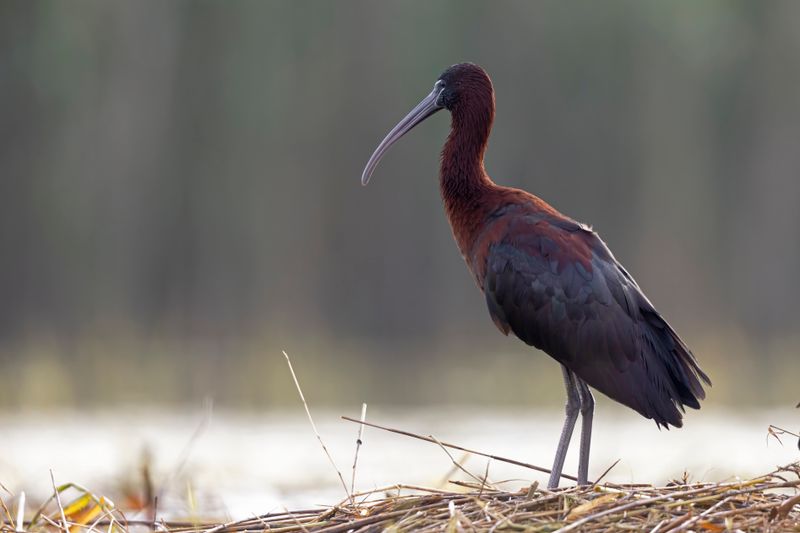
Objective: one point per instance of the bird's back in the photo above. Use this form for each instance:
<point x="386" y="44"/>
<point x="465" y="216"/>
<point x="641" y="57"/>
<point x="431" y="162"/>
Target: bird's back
<point x="554" y="283"/>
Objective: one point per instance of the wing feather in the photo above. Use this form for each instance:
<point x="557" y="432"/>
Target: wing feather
<point x="557" y="287"/>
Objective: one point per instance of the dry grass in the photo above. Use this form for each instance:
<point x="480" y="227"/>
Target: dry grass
<point x="767" y="503"/>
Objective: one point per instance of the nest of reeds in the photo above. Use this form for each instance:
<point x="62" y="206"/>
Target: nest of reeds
<point x="767" y="503"/>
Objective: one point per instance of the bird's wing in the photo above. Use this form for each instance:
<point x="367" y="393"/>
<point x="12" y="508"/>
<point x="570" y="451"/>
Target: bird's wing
<point x="556" y="286"/>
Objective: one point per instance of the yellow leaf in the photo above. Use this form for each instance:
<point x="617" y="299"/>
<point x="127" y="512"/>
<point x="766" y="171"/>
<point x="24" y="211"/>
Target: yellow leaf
<point x="85" y="516"/>
<point x="77" y="505"/>
<point x="84" y="509"/>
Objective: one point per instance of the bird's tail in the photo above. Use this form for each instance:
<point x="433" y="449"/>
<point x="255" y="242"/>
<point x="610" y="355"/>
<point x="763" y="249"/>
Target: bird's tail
<point x="685" y="378"/>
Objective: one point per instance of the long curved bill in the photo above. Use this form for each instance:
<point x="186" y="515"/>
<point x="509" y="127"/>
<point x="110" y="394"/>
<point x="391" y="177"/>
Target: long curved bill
<point x="423" y="110"/>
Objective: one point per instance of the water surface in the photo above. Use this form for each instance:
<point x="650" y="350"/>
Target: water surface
<point x="241" y="464"/>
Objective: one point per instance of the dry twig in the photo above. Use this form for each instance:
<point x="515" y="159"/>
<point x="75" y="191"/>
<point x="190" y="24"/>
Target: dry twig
<point x="359" y="442"/>
<point x="768" y="503"/>
<point x="64" y="523"/>
<point x="456" y="447"/>
<point x="314" y="427"/>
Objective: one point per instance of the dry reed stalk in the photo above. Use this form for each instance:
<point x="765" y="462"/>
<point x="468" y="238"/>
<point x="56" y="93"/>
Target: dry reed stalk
<point x="456" y="464"/>
<point x="765" y="503"/>
<point x="20" y="511"/>
<point x="64" y="522"/>
<point x="359" y="442"/>
<point x="20" y="505"/>
<point x="460" y="448"/>
<point x="314" y="427"/>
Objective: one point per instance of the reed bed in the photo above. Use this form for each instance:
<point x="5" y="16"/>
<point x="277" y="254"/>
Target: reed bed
<point x="766" y="503"/>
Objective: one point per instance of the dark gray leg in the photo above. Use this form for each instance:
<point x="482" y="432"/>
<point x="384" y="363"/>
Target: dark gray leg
<point x="587" y="412"/>
<point x="572" y="407"/>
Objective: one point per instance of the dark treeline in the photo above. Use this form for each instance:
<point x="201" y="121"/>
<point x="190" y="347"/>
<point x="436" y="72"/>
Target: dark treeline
<point x="192" y="168"/>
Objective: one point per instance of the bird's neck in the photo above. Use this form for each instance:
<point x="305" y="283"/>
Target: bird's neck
<point x="463" y="180"/>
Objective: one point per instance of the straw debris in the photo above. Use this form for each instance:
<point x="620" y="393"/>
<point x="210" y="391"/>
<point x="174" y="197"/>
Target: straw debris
<point x="766" y="503"/>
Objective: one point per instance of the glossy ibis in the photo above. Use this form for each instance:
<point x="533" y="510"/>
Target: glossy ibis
<point x="551" y="280"/>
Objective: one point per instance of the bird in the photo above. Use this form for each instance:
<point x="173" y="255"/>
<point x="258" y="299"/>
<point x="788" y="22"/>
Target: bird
<point x="550" y="280"/>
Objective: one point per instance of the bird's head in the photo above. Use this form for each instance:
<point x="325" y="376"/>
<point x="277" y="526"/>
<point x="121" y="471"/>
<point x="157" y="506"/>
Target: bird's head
<point x="455" y="89"/>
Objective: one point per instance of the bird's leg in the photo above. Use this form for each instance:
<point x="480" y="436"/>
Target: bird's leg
<point x="572" y="407"/>
<point x="587" y="411"/>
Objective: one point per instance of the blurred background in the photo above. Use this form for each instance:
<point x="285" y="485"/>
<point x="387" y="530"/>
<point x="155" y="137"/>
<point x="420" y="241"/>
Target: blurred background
<point x="180" y="198"/>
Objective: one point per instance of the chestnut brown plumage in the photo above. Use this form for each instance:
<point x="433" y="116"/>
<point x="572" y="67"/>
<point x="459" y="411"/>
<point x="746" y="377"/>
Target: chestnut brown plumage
<point x="551" y="280"/>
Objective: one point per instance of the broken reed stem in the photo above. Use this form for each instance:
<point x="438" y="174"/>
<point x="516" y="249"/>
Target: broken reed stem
<point x="759" y="504"/>
<point x="20" y="512"/>
<point x="722" y="488"/>
<point x="673" y="509"/>
<point x="359" y="442"/>
<point x="447" y="477"/>
<point x="8" y="514"/>
<point x="58" y="502"/>
<point x="692" y="521"/>
<point x="155" y="513"/>
<point x="776" y="432"/>
<point x="314" y="427"/>
<point x="456" y="464"/>
<point x="485" y="477"/>
<point x="461" y="448"/>
<point x="605" y="473"/>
